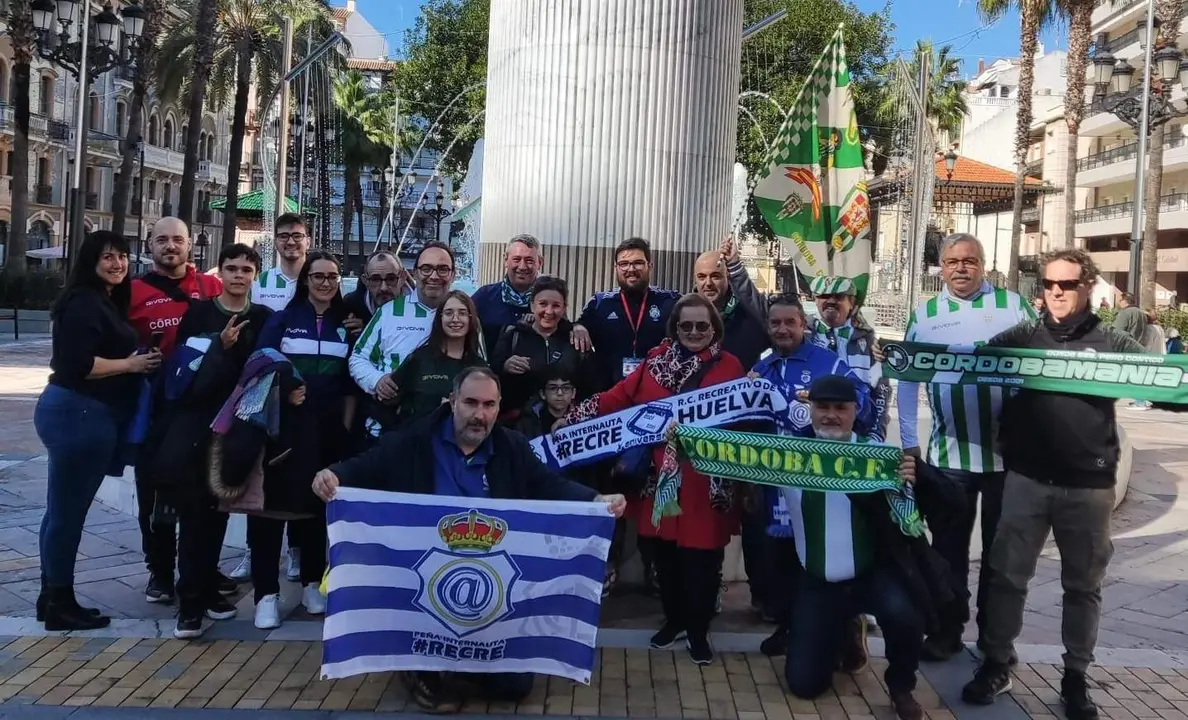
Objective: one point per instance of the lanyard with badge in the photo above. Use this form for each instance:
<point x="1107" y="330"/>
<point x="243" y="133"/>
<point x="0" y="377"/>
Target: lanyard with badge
<point x="632" y="362"/>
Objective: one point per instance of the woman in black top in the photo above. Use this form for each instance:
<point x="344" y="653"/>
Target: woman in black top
<point x="83" y="413"/>
<point x="525" y="352"/>
<point x="426" y="377"/>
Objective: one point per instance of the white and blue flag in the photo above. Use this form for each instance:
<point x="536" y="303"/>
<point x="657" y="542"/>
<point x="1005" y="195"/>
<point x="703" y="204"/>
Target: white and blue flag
<point x="424" y="582"/>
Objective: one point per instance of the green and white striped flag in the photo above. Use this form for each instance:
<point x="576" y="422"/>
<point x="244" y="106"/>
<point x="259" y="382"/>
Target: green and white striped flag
<point x="813" y="191"/>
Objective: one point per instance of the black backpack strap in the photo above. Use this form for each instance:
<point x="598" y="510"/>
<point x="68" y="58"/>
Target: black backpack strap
<point x="170" y="289"/>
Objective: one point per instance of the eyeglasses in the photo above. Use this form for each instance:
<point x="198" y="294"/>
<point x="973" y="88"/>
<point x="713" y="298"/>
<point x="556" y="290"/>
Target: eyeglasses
<point x="324" y="278"/>
<point x="631" y="264"/>
<point x="294" y="237"/>
<point x="455" y="314"/>
<point x="968" y="262"/>
<point x="440" y="270"/>
<point x="379" y="279"/>
<point x="689" y="326"/>
<point x="1065" y="285"/>
<point x="559" y="389"/>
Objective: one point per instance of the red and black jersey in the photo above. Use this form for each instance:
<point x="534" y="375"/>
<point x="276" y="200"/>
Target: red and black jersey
<point x="158" y="305"/>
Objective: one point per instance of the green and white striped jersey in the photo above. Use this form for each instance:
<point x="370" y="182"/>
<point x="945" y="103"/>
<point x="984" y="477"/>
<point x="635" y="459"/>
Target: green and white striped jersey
<point x="396" y="329"/>
<point x="832" y="538"/>
<point x="964" y="417"/>
<point x="273" y="290"/>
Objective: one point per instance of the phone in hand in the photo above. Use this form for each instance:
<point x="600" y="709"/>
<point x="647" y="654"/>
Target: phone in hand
<point x="155" y="340"/>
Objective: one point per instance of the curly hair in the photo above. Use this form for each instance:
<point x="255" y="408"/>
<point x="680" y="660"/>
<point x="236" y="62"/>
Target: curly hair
<point x="1076" y="256"/>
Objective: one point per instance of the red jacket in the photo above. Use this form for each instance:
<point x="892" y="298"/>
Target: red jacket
<point x="699" y="525"/>
<point x="153" y="310"/>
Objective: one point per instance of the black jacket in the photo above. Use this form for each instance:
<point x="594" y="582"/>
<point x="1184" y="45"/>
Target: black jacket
<point x="746" y="335"/>
<point x="1060" y="438"/>
<point x="400" y="463"/>
<point x="542" y="353"/>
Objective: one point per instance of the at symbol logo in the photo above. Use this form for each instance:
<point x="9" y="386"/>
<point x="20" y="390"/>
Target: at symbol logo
<point x="466" y="592"/>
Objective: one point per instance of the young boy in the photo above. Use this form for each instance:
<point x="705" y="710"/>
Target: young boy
<point x="215" y="339"/>
<point x="554" y="402"/>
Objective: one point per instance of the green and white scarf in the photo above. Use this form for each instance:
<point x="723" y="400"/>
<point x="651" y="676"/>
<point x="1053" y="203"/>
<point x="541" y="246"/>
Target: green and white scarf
<point x="1161" y="378"/>
<point x="784" y="461"/>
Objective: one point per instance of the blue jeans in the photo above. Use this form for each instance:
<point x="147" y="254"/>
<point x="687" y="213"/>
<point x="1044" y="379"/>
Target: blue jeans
<point x="82" y="438"/>
<point x="821" y="612"/>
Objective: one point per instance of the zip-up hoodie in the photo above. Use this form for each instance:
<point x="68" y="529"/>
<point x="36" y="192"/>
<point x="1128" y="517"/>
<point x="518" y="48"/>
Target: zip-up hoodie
<point x="542" y="352"/>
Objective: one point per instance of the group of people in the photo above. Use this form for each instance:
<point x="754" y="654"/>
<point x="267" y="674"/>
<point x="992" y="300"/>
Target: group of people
<point x="405" y="363"/>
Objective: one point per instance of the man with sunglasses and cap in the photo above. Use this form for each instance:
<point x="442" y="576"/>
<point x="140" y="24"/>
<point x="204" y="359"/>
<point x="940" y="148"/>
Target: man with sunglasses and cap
<point x="1061" y="453"/>
<point x="962" y="461"/>
<point x="855" y="560"/>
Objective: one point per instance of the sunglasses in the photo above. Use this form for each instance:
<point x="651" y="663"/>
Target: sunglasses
<point x="689" y="326"/>
<point x="1065" y="285"/>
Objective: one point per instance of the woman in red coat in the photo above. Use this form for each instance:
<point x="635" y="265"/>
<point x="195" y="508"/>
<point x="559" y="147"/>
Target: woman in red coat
<point x="689" y="547"/>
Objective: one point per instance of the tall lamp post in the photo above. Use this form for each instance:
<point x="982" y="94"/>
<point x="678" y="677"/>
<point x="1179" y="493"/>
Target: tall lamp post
<point x="438" y="211"/>
<point x="1144" y="108"/>
<point x="86" y="47"/>
<point x="382" y="179"/>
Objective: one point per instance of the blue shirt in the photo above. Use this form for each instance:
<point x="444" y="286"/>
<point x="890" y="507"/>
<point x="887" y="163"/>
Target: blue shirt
<point x="455" y="473"/>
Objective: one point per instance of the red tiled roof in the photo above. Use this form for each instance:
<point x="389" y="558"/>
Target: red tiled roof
<point x="372" y="65"/>
<point x="972" y="171"/>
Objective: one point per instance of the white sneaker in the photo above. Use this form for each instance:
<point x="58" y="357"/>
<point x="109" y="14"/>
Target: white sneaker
<point x="313" y="600"/>
<point x="243" y="570"/>
<point x="293" y="566"/>
<point x="268" y="612"/>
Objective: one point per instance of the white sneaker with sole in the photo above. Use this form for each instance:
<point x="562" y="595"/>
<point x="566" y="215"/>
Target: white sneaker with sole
<point x="243" y="570"/>
<point x="313" y="600"/>
<point x="293" y="565"/>
<point x="268" y="612"/>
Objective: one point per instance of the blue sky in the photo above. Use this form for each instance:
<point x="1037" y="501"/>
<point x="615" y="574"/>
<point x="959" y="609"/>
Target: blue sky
<point x="954" y="22"/>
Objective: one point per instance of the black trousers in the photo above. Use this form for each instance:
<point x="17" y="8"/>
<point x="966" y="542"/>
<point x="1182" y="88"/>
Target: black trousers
<point x="688" y="580"/>
<point x="201" y="528"/>
<point x="157" y="540"/>
<point x="265" y="537"/>
<point x="783" y="576"/>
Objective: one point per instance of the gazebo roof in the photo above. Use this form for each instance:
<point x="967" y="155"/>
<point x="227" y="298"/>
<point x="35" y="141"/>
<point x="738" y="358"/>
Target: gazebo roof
<point x="253" y="202"/>
<point x="985" y="186"/>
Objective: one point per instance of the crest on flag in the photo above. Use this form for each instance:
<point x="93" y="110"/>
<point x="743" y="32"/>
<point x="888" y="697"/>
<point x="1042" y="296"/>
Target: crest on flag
<point x="813" y="190"/>
<point x="467" y="587"/>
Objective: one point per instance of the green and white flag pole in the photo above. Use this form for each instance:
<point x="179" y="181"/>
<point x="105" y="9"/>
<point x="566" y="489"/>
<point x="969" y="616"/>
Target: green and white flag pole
<point x="813" y="191"/>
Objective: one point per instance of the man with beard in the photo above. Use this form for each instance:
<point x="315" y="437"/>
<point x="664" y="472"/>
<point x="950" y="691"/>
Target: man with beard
<point x="400" y="327"/>
<point x="383" y="279"/>
<point x="1061" y="452"/>
<point x="791" y="367"/>
<point x="623" y="325"/>
<point x="507" y="302"/>
<point x="845" y="546"/>
<point x="274" y="288"/>
<point x="961" y="447"/>
<point x="461" y="451"/>
<point x="159" y="300"/>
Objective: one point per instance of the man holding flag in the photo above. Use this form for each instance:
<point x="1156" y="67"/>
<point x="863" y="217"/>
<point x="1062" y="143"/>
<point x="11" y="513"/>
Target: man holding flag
<point x="961" y="447"/>
<point x="460" y="451"/>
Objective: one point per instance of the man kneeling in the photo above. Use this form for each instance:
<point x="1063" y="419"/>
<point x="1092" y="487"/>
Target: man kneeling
<point x="846" y="569"/>
<point x="460" y="451"/>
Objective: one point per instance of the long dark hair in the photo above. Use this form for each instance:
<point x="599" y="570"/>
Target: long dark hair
<point x="83" y="275"/>
<point x="301" y="295"/>
<point x="437" y="336"/>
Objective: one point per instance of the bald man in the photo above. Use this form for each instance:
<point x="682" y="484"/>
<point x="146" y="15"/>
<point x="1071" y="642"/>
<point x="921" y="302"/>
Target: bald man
<point x="159" y="299"/>
<point x="746" y="336"/>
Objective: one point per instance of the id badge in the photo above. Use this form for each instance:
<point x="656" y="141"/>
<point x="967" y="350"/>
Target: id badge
<point x="629" y="365"/>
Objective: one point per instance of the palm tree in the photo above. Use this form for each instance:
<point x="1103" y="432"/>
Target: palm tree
<point x="1170" y="15"/>
<point x="204" y="17"/>
<point x="247" y="46"/>
<point x="1079" y="14"/>
<point x="366" y="140"/>
<point x="947" y="107"/>
<point x="24" y="37"/>
<point x="145" y="59"/>
<point x="1036" y="14"/>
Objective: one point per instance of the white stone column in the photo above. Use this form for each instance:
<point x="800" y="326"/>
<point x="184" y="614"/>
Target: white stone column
<point x="609" y="119"/>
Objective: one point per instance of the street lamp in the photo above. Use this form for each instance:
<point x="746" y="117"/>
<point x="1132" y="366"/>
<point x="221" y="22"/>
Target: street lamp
<point x="950" y="164"/>
<point x="439" y="211"/>
<point x="200" y="246"/>
<point x="84" y="55"/>
<point x="1143" y="108"/>
<point x="383" y="180"/>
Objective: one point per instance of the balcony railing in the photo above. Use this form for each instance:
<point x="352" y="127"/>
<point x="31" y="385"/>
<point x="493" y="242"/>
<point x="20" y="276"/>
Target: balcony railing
<point x="92" y="201"/>
<point x="204" y="172"/>
<point x="43" y="195"/>
<point x="1173" y="202"/>
<point x="1035" y="168"/>
<point x="1030" y="215"/>
<point x="1122" y="153"/>
<point x="1115" y="44"/>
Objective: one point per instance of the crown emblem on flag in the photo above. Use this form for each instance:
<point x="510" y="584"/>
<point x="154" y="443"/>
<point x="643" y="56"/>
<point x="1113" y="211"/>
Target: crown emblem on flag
<point x="471" y="531"/>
